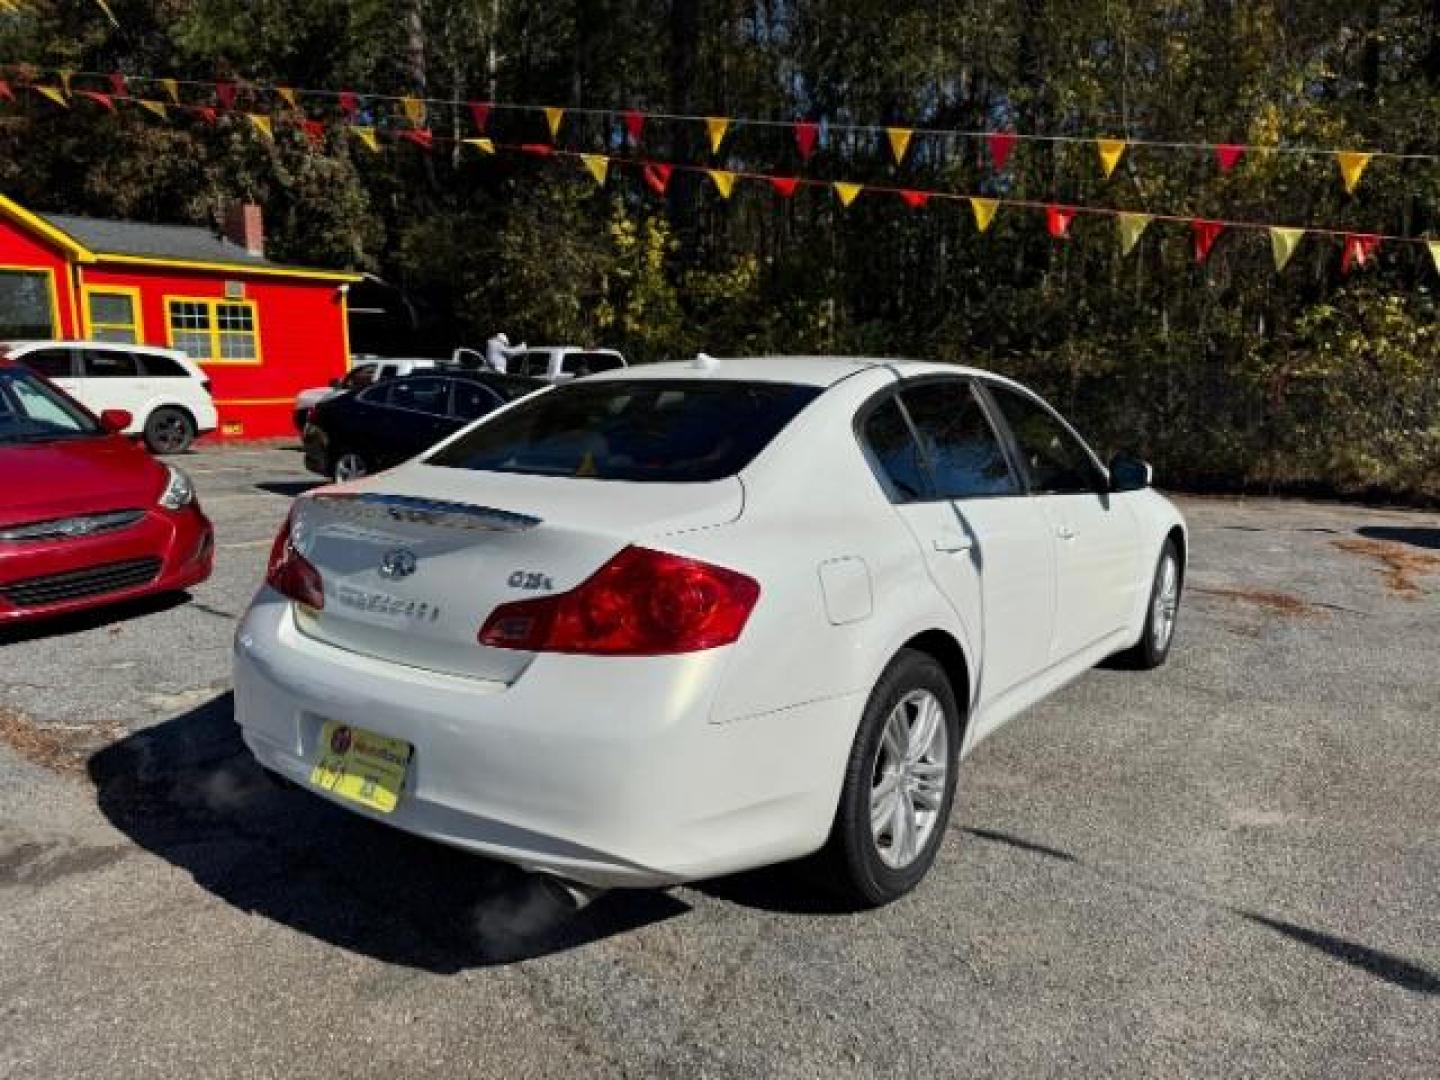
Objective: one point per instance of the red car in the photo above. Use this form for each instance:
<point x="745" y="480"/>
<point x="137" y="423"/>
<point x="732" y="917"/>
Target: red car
<point x="86" y="516"/>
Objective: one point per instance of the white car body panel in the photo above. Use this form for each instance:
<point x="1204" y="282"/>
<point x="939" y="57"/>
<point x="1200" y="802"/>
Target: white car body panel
<point x="651" y="770"/>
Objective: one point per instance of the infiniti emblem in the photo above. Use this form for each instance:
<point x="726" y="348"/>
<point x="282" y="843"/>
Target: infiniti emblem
<point x="397" y="564"/>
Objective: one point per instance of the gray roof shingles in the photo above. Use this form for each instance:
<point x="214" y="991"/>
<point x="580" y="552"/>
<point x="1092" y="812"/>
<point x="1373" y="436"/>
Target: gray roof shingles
<point x="185" y="242"/>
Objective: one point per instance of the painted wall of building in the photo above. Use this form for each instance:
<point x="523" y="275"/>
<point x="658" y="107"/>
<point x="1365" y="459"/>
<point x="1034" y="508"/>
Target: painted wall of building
<point x="19" y="250"/>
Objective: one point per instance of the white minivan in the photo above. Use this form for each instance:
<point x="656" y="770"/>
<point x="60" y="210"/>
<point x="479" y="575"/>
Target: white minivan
<point x="163" y="389"/>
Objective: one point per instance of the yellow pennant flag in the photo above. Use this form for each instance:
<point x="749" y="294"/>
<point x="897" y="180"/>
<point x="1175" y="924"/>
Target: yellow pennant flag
<point x="414" y="110"/>
<point x="1352" y="165"/>
<point x="367" y="136"/>
<point x="1434" y="246"/>
<point x="1283" y="243"/>
<point x="261" y="124"/>
<point x="485" y="146"/>
<point x="156" y="107"/>
<point x="716" y="127"/>
<point x="847" y="193"/>
<point x="984" y="210"/>
<point x="287" y="95"/>
<point x="599" y="166"/>
<point x="1130" y="227"/>
<point x="553" y="116"/>
<point x="724" y="181"/>
<point x="1111" y="151"/>
<point x="899" y="142"/>
<point x="65" y="76"/>
<point x="172" y="88"/>
<point x="55" y="94"/>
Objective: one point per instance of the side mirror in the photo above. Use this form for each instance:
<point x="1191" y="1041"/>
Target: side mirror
<point x="114" y="421"/>
<point x="1129" y="473"/>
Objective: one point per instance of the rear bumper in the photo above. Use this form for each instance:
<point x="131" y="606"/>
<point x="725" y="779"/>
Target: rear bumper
<point x="606" y="771"/>
<point x="182" y="544"/>
<point x="317" y="450"/>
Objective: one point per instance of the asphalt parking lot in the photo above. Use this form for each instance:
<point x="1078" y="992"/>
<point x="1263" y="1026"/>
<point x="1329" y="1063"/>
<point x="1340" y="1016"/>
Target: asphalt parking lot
<point x="1229" y="867"/>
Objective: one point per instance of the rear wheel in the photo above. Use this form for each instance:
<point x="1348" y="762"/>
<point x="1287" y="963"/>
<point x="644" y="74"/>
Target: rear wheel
<point x="899" y="783"/>
<point x="169" y="430"/>
<point x="350" y="466"/>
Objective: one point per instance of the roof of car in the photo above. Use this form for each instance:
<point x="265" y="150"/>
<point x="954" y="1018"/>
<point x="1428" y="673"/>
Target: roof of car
<point x="56" y="343"/>
<point x="803" y="370"/>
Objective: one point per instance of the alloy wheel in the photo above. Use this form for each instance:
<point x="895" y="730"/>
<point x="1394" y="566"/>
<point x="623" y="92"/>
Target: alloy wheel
<point x="349" y="467"/>
<point x="908" y="779"/>
<point x="1166" y="603"/>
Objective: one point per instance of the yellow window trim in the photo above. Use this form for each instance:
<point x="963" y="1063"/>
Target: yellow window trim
<point x="49" y="273"/>
<point x="212" y="302"/>
<point x="228" y="268"/>
<point x="133" y="292"/>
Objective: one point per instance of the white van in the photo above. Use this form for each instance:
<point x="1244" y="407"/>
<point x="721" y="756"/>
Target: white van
<point x="163" y="389"/>
<point x="556" y="363"/>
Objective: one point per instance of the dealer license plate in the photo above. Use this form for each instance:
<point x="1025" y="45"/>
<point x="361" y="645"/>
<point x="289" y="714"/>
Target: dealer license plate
<point x="360" y="766"/>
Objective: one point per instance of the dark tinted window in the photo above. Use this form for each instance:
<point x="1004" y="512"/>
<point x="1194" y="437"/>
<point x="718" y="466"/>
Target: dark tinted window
<point x="422" y="395"/>
<point x="379" y="394"/>
<point x="471" y="400"/>
<point x="161" y="367"/>
<point x="588" y="363"/>
<point x="662" y="430"/>
<point x="958" y="441"/>
<point x="363" y="375"/>
<point x="894" y="454"/>
<point x="1056" y="462"/>
<point x="534" y="364"/>
<point x="52" y="363"/>
<point x="109" y="364"/>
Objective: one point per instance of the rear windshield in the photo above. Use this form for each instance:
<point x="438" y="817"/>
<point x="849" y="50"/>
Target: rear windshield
<point x="664" y="431"/>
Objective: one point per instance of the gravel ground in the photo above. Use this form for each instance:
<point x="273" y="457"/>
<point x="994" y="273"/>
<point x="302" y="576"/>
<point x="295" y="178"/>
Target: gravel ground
<point x="1229" y="867"/>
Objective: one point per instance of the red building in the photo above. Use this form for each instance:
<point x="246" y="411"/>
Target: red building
<point x="262" y="331"/>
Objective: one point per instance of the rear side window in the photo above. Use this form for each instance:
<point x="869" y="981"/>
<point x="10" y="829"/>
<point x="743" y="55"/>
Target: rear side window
<point x="162" y="367"/>
<point x="894" y="454"/>
<point x="421" y="395"/>
<point x="52" y="363"/>
<point x="958" y="441"/>
<point x="110" y="364"/>
<point x="534" y="364"/>
<point x="363" y="375"/>
<point x="588" y="363"/>
<point x="661" y="430"/>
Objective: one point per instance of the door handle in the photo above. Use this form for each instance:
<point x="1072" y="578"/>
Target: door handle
<point x="1065" y="532"/>
<point x="953" y="543"/>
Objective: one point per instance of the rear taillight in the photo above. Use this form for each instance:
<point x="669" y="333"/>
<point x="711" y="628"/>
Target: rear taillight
<point x="291" y="574"/>
<point x="640" y="603"/>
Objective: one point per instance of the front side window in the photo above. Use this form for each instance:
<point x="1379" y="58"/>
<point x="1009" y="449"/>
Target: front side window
<point x="1055" y="460"/>
<point x="534" y="364"/>
<point x="652" y="430"/>
<point x="215" y="331"/>
<point x="113" y="316"/>
<point x="31" y="411"/>
<point x="589" y="363"/>
<point x="472" y="400"/>
<point x="27" y="309"/>
<point x="894" y="454"/>
<point x="109" y="364"/>
<point x="956" y="437"/>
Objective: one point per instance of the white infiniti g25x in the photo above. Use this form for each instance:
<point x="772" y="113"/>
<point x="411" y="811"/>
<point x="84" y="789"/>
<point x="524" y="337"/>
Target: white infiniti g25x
<point x="678" y="620"/>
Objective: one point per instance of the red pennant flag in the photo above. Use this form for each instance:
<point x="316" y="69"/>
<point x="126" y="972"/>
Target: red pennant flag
<point x="118" y="86"/>
<point x="314" y="131"/>
<point x="1360" y="248"/>
<point x="103" y="100"/>
<point x="349" y="104"/>
<point x="421" y="137"/>
<point x="634" y="121"/>
<point x="209" y="115"/>
<point x="657" y="178"/>
<point x="806" y="132"/>
<point x="1206" y="233"/>
<point x="785" y="185"/>
<point x="916" y="200"/>
<point x="480" y="115"/>
<point x="5" y="91"/>
<point x="1228" y="155"/>
<point x="1000" y="143"/>
<point x="1057" y="220"/>
<point x="225" y="94"/>
<point x="539" y="149"/>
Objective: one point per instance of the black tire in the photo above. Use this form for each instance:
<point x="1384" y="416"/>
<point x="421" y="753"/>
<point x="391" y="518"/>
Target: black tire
<point x="1154" y="647"/>
<point x="169" y="430"/>
<point x="858" y="871"/>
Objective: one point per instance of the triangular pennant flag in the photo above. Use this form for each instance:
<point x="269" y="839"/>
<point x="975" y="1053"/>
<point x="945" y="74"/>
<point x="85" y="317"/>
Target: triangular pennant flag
<point x="421" y="137"/>
<point x="173" y="89"/>
<point x="367" y="136"/>
<point x="806" y="132"/>
<point x="899" y="142"/>
<point x="1130" y="226"/>
<point x="350" y="104"/>
<point x="1228" y="155"/>
<point x="55" y="94"/>
<point x="715" y="127"/>
<point x="984" y="211"/>
<point x="480" y="115"/>
<point x="156" y="107"/>
<point x="261" y="124"/>
<point x="1206" y="233"/>
<point x="1352" y="165"/>
<point x="657" y="178"/>
<point x="539" y="149"/>
<point x="208" y="114"/>
<point x="414" y="110"/>
<point x="65" y="76"/>
<point x="634" y="122"/>
<point x="1283" y="243"/>
<point x="1434" y="246"/>
<point x="314" y="131"/>
<point x="103" y="100"/>
<point x="287" y="95"/>
<point x="1057" y="221"/>
<point x="1000" y="144"/>
<point x="1360" y="248"/>
<point x="1111" y="151"/>
<point x="915" y="200"/>
<point x="599" y="166"/>
<point x="785" y="185"/>
<point x="118" y="86"/>
<point x="846" y="193"/>
<point x="225" y="94"/>
<point x="724" y="181"/>
<point x="5" y="91"/>
<point x="485" y="146"/>
<point x="553" y="116"/>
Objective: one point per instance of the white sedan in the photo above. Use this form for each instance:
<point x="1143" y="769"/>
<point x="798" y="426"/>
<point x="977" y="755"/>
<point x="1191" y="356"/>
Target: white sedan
<point x="675" y="621"/>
